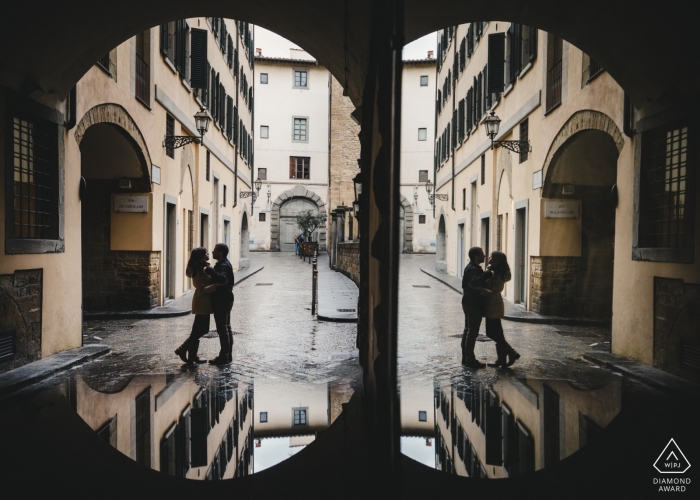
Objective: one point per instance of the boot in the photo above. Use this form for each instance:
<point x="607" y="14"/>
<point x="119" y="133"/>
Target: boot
<point x="221" y="359"/>
<point x="192" y="353"/>
<point x="513" y="356"/>
<point x="182" y="352"/>
<point x="501" y="353"/>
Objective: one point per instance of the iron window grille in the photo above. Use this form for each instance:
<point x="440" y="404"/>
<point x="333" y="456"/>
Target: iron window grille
<point x="142" y="80"/>
<point x="224" y="197"/>
<point x="35" y="171"/>
<point x="261" y="217"/>
<point x="169" y="132"/>
<point x="483" y="169"/>
<point x="524" y="138"/>
<point x="666" y="216"/>
<point x="554" y="72"/>
<point x="300" y="79"/>
<point x="262" y="174"/>
<point x="422" y="176"/>
<point x="207" y="173"/>
<point x="421" y="219"/>
<point x="299" y="167"/>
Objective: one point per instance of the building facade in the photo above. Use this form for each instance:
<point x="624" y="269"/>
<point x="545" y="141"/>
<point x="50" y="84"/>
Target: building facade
<point x="97" y="204"/>
<point x="292" y="143"/>
<point x="594" y="223"/>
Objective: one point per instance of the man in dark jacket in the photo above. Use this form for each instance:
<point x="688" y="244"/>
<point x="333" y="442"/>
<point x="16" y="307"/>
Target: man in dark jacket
<point x="473" y="305"/>
<point x="222" y="303"/>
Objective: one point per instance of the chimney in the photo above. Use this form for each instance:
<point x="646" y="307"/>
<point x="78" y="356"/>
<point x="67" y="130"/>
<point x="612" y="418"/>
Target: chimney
<point x="430" y="54"/>
<point x="258" y="52"/>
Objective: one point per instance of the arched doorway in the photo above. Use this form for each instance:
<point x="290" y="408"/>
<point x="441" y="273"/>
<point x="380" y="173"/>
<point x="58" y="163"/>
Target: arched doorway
<point x="244" y="261"/>
<point x="441" y="253"/>
<point x="288" y="223"/>
<point x="577" y="252"/>
<point x="116" y="240"/>
<point x="283" y="214"/>
<point x="406" y="225"/>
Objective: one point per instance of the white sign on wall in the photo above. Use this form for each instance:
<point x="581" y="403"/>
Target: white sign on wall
<point x="537" y="180"/>
<point x="155" y="174"/>
<point x="128" y="203"/>
<point x="561" y="209"/>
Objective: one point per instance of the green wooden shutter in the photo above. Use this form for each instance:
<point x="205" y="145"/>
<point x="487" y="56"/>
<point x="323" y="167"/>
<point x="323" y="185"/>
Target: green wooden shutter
<point x="164" y="39"/>
<point x="198" y="61"/>
<point x="497" y="46"/>
<point x="532" y="43"/>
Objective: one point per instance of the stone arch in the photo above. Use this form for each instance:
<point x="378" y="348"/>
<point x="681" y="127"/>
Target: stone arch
<point x="579" y="122"/>
<point x="120" y="117"/>
<point x="441" y="243"/>
<point x="244" y="260"/>
<point x="186" y="165"/>
<point x="408" y="225"/>
<point x="298" y="191"/>
<point x="505" y="166"/>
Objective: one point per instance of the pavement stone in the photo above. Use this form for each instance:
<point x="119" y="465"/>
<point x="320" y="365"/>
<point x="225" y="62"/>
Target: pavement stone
<point x="182" y="306"/>
<point x="514" y="312"/>
<point x="34" y="372"/>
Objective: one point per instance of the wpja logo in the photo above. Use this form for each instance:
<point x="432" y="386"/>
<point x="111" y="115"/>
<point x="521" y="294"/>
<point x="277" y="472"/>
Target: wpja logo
<point x="672" y="461"/>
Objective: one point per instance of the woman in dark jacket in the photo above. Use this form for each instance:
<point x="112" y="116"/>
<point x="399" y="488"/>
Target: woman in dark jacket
<point x="199" y="270"/>
<point x="494" y="309"/>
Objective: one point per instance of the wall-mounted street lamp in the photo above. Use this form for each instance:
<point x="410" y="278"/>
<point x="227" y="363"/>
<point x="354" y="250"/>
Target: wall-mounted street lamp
<point x="357" y="184"/>
<point x="201" y="120"/>
<point x="492" y="123"/>
<point x="253" y="194"/>
<point x="269" y="194"/>
<point x="432" y="195"/>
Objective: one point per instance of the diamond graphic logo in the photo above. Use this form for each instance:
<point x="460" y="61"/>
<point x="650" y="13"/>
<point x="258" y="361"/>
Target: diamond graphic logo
<point x="672" y="460"/>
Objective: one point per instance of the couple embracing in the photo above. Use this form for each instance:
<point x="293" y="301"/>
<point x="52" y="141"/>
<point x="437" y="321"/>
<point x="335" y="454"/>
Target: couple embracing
<point x="482" y="299"/>
<point x="213" y="294"/>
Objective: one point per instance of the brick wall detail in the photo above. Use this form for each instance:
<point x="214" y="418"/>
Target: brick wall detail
<point x="349" y="260"/>
<point x="20" y="310"/>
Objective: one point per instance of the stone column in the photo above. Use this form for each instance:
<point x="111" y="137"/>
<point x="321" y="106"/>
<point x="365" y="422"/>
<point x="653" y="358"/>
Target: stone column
<point x="333" y="252"/>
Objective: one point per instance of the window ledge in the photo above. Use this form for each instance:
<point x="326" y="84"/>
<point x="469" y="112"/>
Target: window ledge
<point x="14" y="246"/>
<point x="525" y="69"/>
<point x="186" y="85"/>
<point x="596" y="75"/>
<point x="550" y="110"/>
<point x="143" y="102"/>
<point x="107" y="71"/>
<point x="507" y="90"/>
<point x="169" y="63"/>
<point x="677" y="255"/>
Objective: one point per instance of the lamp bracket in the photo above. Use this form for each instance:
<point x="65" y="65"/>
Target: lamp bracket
<point x="177" y="141"/>
<point x="515" y="146"/>
<point x="248" y="194"/>
<point x="441" y="197"/>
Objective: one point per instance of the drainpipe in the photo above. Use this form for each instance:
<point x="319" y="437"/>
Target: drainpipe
<point x="235" y="139"/>
<point x="435" y="124"/>
<point x="454" y="133"/>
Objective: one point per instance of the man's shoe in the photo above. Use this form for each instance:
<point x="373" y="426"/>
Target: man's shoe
<point x="182" y="353"/>
<point x="512" y="358"/>
<point x="220" y="360"/>
<point x="474" y="363"/>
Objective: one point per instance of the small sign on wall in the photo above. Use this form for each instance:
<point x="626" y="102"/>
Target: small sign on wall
<point x="128" y="203"/>
<point x="561" y="209"/>
<point x="155" y="174"/>
<point x="537" y="180"/>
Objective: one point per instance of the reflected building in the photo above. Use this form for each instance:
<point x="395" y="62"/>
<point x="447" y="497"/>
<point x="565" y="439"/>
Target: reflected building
<point x="516" y="426"/>
<point x="173" y="424"/>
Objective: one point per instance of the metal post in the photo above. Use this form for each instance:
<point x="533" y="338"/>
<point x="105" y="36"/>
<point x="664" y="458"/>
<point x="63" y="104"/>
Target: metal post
<point x="314" y="285"/>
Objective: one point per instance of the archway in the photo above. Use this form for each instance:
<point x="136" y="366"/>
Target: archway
<point x="577" y="252"/>
<point x="244" y="261"/>
<point x="283" y="226"/>
<point x="441" y="252"/>
<point x="406" y="227"/>
<point x="116" y="236"/>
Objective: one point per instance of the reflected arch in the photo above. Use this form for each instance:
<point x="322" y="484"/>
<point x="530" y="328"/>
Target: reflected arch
<point x="441" y="250"/>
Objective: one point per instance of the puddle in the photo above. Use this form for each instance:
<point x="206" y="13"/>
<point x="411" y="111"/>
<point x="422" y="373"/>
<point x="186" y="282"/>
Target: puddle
<point x="503" y="428"/>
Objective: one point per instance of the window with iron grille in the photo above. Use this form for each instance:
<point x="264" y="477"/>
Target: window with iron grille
<point x="261" y="216"/>
<point x="499" y="229"/>
<point x="224" y="198"/>
<point x="555" y="49"/>
<point x="143" y="428"/>
<point x="666" y="212"/>
<point x="300" y="79"/>
<point x="299" y="167"/>
<point x="170" y="131"/>
<point x="421" y="219"/>
<point x="35" y="178"/>
<point x="460" y="121"/>
<point x="523" y="138"/>
<point x="207" y="172"/>
<point x="299" y="416"/>
<point x="483" y="169"/>
<point x="262" y="174"/>
<point x="422" y="176"/>
<point x="300" y="129"/>
<point x="464" y="199"/>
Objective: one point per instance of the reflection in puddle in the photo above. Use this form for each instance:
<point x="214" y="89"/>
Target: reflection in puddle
<point x="502" y="428"/>
<point x="221" y="428"/>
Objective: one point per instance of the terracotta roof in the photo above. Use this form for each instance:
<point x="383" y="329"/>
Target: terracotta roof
<point x="287" y="60"/>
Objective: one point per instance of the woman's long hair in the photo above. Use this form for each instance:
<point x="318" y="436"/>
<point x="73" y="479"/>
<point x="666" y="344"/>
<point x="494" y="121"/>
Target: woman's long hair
<point x="499" y="264"/>
<point x="198" y="260"/>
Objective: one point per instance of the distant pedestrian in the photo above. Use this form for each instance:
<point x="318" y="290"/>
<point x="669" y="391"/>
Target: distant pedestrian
<point x="494" y="309"/>
<point x="222" y="302"/>
<point x="201" y="272"/>
<point x="473" y="303"/>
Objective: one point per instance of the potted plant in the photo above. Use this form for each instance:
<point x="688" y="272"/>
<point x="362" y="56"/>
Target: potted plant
<point x="308" y="222"/>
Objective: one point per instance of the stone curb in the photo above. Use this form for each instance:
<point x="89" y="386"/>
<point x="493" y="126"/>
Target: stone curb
<point x="542" y="320"/>
<point x="648" y="375"/>
<point x="42" y="369"/>
<point x="335" y="319"/>
<point x="153" y="315"/>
